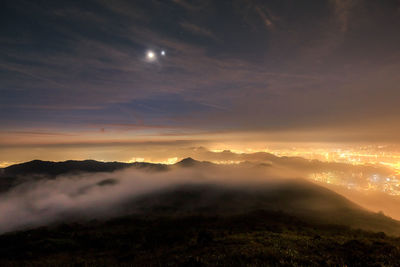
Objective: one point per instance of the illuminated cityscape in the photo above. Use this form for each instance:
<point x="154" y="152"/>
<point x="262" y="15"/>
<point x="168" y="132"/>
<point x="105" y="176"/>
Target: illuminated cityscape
<point x="371" y="155"/>
<point x="375" y="155"/>
<point x="382" y="156"/>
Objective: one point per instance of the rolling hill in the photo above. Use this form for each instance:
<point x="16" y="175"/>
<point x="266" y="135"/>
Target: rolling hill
<point x="293" y="223"/>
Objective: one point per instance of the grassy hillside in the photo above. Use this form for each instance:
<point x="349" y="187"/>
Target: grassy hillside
<point x="297" y="198"/>
<point x="260" y="238"/>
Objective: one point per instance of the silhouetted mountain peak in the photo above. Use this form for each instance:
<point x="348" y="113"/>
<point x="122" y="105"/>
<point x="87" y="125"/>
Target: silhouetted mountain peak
<point x="187" y="162"/>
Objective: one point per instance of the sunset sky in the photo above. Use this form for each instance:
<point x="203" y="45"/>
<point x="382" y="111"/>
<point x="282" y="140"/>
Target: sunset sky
<point x="104" y="79"/>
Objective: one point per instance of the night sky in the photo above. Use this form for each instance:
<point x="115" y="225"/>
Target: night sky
<point x="78" y="73"/>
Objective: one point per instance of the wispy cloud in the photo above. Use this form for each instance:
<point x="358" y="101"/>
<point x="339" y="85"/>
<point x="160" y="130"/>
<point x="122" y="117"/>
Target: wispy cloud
<point x="343" y="10"/>
<point x="265" y="18"/>
<point x="199" y="30"/>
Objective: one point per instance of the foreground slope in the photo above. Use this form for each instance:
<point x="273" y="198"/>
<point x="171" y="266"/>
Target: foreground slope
<point x="292" y="223"/>
<point x="260" y="238"/>
<point x="297" y="198"/>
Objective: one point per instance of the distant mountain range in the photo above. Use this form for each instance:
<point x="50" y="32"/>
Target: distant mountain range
<point x="38" y="167"/>
<point x="50" y="168"/>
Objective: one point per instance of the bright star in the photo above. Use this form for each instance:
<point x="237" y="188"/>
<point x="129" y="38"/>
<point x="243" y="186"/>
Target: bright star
<point x="163" y="53"/>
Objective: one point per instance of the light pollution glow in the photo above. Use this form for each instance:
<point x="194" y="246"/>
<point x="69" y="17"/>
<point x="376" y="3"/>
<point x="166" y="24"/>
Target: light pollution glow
<point x="357" y="155"/>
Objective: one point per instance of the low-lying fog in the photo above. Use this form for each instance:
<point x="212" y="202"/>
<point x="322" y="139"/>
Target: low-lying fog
<point x="96" y="195"/>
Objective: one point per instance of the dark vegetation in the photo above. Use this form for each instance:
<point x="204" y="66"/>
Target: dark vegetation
<point x="259" y="238"/>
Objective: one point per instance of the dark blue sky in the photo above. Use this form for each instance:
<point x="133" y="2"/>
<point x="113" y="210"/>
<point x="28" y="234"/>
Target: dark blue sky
<point x="79" y="68"/>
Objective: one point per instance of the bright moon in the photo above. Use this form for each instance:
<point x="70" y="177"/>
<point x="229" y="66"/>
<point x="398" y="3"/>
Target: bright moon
<point x="150" y="55"/>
